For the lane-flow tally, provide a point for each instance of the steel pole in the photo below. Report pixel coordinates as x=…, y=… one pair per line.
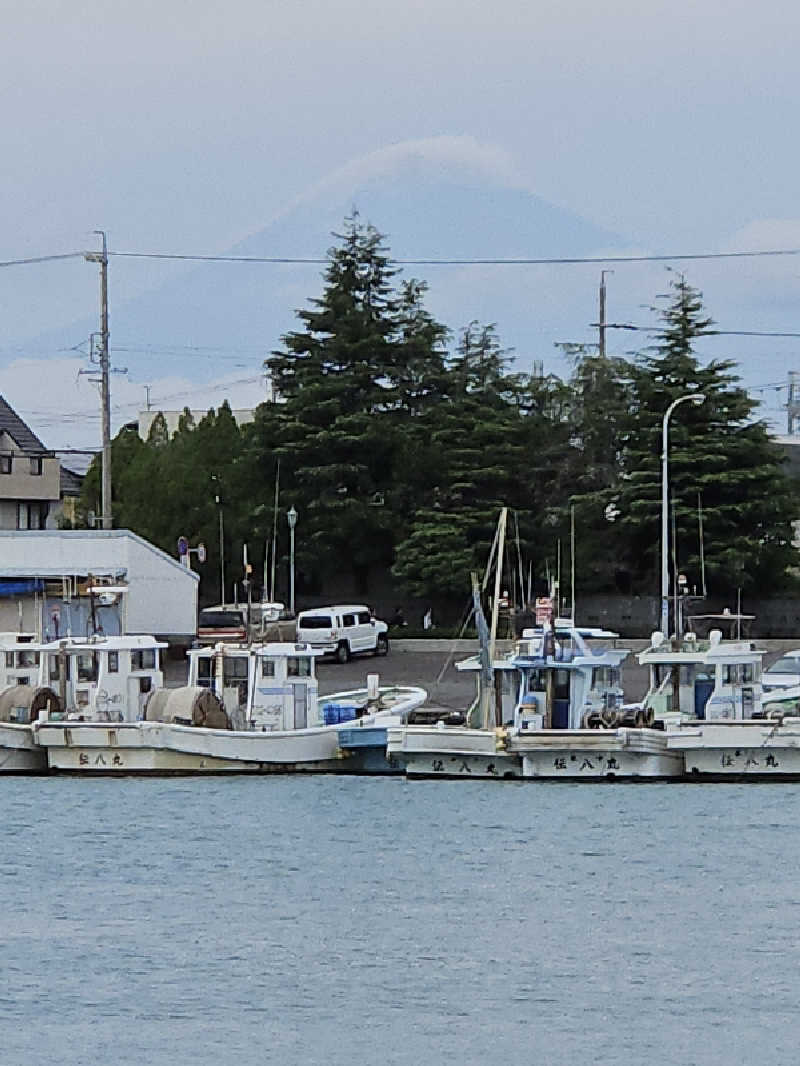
x=695, y=398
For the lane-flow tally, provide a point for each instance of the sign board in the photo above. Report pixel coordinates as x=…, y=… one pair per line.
x=201, y=552
x=544, y=609
x=183, y=546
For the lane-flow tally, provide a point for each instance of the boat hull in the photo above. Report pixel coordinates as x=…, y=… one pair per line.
x=596, y=755
x=166, y=748
x=754, y=750
x=19, y=752
x=451, y=751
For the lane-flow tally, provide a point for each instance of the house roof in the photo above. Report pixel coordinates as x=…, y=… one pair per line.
x=23, y=435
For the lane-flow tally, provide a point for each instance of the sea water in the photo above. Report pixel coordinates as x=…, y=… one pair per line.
x=329, y=920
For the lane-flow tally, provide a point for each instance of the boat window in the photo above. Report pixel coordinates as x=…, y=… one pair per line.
x=561, y=685
x=234, y=668
x=731, y=673
x=28, y=658
x=143, y=659
x=315, y=621
x=748, y=673
x=113, y=662
x=87, y=666
x=786, y=665
x=267, y=667
x=9, y=659
x=205, y=671
x=535, y=681
x=296, y=667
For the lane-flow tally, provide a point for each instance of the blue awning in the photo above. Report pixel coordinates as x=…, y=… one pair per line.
x=16, y=587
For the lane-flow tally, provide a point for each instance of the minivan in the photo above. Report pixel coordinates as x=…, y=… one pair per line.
x=342, y=630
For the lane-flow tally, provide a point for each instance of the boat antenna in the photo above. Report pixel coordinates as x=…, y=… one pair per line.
x=572, y=560
x=702, y=550
x=739, y=613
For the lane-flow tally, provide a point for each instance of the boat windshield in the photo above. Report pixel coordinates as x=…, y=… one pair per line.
x=789, y=664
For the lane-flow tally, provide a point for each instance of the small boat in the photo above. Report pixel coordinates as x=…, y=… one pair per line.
x=247, y=708
x=73, y=679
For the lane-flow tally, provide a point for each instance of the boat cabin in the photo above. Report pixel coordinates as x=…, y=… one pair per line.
x=265, y=687
x=693, y=678
x=564, y=682
x=554, y=679
x=19, y=660
x=106, y=679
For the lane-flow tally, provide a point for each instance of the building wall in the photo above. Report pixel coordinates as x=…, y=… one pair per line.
x=162, y=596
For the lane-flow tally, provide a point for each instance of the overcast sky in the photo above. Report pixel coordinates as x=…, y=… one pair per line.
x=186, y=126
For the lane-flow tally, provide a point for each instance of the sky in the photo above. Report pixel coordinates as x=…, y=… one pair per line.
x=199, y=128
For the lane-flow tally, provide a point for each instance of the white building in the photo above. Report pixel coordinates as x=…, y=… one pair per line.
x=45, y=575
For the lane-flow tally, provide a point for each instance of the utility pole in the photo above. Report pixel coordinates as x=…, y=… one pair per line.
x=601, y=347
x=105, y=388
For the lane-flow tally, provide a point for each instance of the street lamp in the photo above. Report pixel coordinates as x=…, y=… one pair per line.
x=218, y=502
x=291, y=518
x=696, y=398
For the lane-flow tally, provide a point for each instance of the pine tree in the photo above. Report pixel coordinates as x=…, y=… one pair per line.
x=720, y=458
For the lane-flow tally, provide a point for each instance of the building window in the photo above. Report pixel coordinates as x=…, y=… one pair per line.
x=5, y=464
x=31, y=515
x=36, y=464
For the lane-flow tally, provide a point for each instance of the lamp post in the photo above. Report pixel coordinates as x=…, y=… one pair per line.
x=696, y=398
x=291, y=518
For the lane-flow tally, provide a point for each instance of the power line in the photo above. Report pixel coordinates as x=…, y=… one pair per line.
x=489, y=261
x=41, y=259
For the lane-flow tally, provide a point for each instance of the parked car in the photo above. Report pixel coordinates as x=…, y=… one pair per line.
x=784, y=672
x=221, y=624
x=342, y=630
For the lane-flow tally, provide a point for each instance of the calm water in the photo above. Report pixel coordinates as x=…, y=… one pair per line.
x=332, y=921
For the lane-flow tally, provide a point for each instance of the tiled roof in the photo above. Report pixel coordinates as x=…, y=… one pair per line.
x=12, y=424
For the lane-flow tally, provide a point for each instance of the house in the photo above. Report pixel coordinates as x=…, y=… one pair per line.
x=30, y=476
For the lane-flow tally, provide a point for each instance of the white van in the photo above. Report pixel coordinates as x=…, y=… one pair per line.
x=342, y=630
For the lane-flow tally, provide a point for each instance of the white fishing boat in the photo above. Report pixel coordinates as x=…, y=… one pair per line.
x=570, y=722
x=559, y=701
x=74, y=679
x=246, y=709
x=708, y=693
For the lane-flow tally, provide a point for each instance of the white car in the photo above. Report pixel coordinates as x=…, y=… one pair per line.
x=784, y=672
x=342, y=630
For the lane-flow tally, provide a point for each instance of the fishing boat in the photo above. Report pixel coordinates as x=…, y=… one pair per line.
x=559, y=700
x=247, y=708
x=708, y=694
x=73, y=679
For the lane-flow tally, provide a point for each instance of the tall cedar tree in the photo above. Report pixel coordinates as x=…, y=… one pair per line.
x=720, y=460
x=365, y=355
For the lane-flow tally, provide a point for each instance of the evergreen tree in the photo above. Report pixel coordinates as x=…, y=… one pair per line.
x=348, y=380
x=720, y=458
